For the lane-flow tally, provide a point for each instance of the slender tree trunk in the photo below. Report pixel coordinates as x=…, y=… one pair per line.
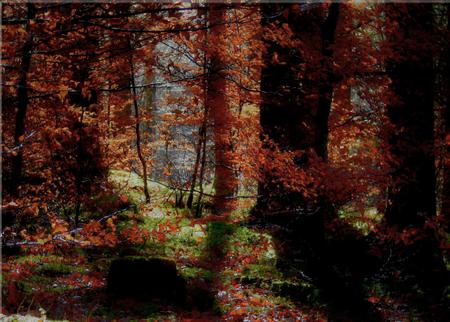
x=201, y=133
x=201, y=176
x=138, y=131
x=198, y=150
x=204, y=128
x=22, y=106
x=224, y=180
x=79, y=171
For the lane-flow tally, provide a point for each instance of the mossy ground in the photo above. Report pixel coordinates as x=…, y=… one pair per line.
x=229, y=267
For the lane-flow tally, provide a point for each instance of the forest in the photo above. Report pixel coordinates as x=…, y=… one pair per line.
x=225, y=161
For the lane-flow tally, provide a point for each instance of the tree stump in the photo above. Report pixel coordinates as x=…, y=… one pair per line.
x=146, y=279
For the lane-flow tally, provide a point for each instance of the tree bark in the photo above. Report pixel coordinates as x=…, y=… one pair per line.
x=88, y=155
x=294, y=115
x=225, y=182
x=412, y=195
x=328, y=32
x=294, y=109
x=22, y=106
x=445, y=205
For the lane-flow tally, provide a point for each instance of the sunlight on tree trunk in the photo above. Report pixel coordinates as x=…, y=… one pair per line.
x=224, y=180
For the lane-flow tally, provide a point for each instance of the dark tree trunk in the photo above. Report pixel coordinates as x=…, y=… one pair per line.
x=22, y=106
x=445, y=206
x=294, y=116
x=294, y=111
x=412, y=195
x=328, y=32
x=284, y=112
x=88, y=155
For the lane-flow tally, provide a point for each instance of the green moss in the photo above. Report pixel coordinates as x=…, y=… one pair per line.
x=269, y=277
x=260, y=272
x=188, y=241
x=218, y=233
x=196, y=272
x=57, y=269
x=37, y=259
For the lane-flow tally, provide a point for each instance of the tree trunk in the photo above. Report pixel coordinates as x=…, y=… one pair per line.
x=201, y=144
x=22, y=106
x=87, y=153
x=326, y=85
x=445, y=206
x=138, y=131
x=198, y=150
x=294, y=112
x=201, y=177
x=294, y=115
x=225, y=182
x=412, y=195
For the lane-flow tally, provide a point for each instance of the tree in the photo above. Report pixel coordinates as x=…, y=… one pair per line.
x=412, y=194
x=138, y=129
x=294, y=111
x=23, y=101
x=445, y=99
x=221, y=115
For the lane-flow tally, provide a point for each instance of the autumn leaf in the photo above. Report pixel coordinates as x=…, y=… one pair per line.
x=62, y=92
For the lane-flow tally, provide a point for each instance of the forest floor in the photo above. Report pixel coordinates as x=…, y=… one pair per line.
x=240, y=282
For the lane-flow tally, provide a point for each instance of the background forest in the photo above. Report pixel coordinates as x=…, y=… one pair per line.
x=215, y=161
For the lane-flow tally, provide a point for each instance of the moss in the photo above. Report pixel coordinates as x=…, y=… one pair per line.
x=57, y=269
x=196, y=272
x=269, y=277
x=34, y=282
x=187, y=240
x=37, y=259
x=218, y=233
x=256, y=271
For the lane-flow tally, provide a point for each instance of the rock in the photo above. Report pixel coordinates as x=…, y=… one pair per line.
x=145, y=279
